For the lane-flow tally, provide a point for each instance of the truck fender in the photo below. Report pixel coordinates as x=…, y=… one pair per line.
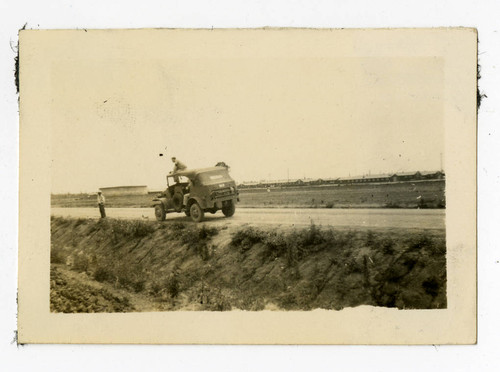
x=157, y=201
x=191, y=200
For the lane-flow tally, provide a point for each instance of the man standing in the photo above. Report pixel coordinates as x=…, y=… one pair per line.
x=178, y=166
x=100, y=201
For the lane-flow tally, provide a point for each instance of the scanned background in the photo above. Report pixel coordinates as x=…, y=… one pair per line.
x=233, y=13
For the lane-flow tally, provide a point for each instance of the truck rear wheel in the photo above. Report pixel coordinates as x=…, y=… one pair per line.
x=229, y=208
x=196, y=212
x=160, y=212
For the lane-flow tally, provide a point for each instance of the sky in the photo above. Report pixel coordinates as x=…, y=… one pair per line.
x=268, y=115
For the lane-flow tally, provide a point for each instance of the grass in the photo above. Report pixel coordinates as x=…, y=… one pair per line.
x=121, y=239
x=133, y=229
x=295, y=245
x=197, y=239
x=398, y=195
x=57, y=255
x=172, y=286
x=80, y=262
x=405, y=270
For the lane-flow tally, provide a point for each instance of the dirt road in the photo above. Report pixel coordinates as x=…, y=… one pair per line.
x=371, y=218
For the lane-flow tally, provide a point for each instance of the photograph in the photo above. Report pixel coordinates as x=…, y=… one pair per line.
x=234, y=182
x=258, y=171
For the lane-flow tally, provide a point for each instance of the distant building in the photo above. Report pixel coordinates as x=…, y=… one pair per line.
x=367, y=178
x=406, y=176
x=370, y=178
x=377, y=178
x=124, y=190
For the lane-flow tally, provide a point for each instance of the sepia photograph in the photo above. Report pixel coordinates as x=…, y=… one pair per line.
x=247, y=183
x=265, y=171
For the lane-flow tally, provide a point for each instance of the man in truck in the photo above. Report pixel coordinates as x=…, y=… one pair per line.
x=178, y=166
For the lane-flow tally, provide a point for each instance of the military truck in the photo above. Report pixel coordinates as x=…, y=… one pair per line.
x=197, y=191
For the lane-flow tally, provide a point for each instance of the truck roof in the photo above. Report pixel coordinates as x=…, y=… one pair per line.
x=191, y=173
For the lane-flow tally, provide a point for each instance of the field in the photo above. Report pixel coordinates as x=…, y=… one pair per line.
x=427, y=194
x=89, y=200
x=122, y=266
x=422, y=194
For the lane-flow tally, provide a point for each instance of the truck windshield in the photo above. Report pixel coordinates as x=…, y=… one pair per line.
x=181, y=179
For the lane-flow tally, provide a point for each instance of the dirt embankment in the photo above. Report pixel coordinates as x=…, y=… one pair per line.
x=73, y=292
x=116, y=265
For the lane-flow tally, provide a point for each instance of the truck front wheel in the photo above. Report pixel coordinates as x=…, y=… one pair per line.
x=160, y=212
x=196, y=212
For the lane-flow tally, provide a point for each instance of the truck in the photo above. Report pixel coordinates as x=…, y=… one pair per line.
x=196, y=192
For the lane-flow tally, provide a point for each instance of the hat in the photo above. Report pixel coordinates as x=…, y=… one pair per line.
x=99, y=192
x=173, y=158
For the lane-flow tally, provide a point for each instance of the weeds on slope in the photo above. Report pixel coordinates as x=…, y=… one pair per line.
x=295, y=245
x=301, y=269
x=198, y=240
x=404, y=270
x=123, y=248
